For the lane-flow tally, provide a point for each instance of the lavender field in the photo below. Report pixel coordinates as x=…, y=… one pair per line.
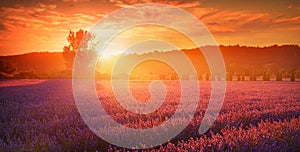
x=41, y=115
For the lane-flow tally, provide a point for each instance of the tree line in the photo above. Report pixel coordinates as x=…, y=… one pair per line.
x=9, y=70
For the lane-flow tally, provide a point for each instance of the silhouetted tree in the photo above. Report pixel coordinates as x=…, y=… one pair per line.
x=238, y=77
x=243, y=76
x=26, y=75
x=229, y=76
x=69, y=52
x=293, y=76
x=252, y=76
x=279, y=76
x=68, y=56
x=6, y=69
x=266, y=76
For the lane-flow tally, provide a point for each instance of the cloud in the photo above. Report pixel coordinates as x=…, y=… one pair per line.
x=40, y=27
x=45, y=17
x=235, y=21
x=177, y=3
x=248, y=27
x=76, y=0
x=2, y=27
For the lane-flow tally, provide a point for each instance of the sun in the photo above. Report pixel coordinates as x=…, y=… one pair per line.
x=105, y=56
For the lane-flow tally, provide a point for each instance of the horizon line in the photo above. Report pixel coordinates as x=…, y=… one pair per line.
x=220, y=45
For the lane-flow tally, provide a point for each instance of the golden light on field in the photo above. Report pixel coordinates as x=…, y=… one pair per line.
x=151, y=69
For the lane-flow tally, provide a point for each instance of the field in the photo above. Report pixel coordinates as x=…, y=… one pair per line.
x=41, y=115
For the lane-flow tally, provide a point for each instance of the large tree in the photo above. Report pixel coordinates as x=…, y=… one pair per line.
x=69, y=52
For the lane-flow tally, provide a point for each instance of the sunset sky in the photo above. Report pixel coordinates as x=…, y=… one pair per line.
x=42, y=25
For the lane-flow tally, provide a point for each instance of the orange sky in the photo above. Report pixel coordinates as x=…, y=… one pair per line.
x=42, y=25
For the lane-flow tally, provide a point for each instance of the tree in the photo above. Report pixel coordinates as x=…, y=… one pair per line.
x=293, y=76
x=243, y=77
x=279, y=76
x=69, y=52
x=26, y=75
x=68, y=56
x=6, y=69
x=229, y=76
x=266, y=76
x=252, y=76
x=238, y=77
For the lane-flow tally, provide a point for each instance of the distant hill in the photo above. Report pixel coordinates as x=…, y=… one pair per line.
x=274, y=58
x=237, y=59
x=39, y=63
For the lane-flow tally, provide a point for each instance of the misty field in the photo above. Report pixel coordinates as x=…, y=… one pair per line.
x=41, y=115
